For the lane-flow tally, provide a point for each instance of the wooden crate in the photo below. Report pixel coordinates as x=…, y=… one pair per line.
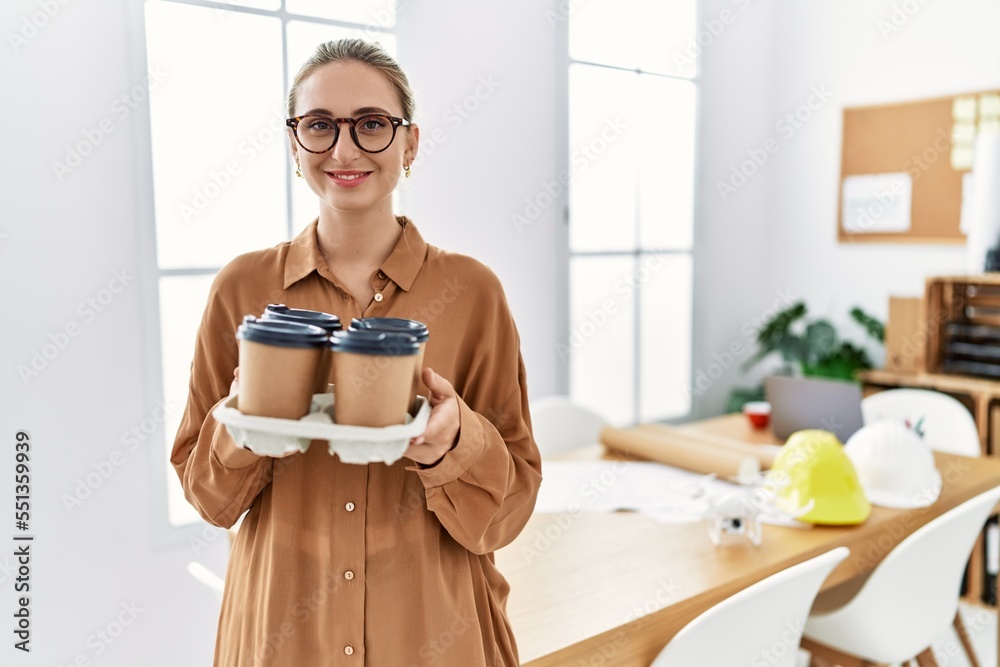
x=905, y=336
x=993, y=432
x=969, y=300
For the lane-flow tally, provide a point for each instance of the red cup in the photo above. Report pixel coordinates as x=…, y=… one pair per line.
x=758, y=413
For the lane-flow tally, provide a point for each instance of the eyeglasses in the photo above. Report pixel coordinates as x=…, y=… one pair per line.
x=318, y=134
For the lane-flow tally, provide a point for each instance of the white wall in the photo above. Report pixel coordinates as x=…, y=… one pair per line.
x=942, y=48
x=730, y=250
x=787, y=211
x=60, y=243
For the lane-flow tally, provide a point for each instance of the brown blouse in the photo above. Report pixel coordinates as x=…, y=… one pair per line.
x=384, y=566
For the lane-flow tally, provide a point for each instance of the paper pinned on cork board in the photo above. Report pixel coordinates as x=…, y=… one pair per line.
x=965, y=219
x=877, y=203
x=964, y=108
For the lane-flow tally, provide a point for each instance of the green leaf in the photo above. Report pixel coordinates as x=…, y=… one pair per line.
x=855, y=355
x=792, y=349
x=833, y=367
x=777, y=327
x=820, y=340
x=844, y=363
x=775, y=336
x=873, y=327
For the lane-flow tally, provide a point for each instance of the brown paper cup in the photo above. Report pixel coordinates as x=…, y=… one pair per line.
x=278, y=366
x=326, y=321
x=276, y=381
x=418, y=368
x=373, y=376
x=372, y=390
x=401, y=325
x=324, y=372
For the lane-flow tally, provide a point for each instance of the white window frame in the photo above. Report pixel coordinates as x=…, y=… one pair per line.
x=638, y=253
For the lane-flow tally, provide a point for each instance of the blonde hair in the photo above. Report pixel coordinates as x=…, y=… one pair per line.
x=358, y=50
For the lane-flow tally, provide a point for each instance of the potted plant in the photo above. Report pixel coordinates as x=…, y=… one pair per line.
x=810, y=348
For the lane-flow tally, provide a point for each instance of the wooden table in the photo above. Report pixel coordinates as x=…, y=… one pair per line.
x=612, y=589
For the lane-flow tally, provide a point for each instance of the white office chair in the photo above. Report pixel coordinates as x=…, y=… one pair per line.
x=948, y=425
x=761, y=624
x=559, y=425
x=908, y=600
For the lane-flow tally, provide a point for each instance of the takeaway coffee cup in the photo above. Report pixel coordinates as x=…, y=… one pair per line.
x=373, y=375
x=401, y=325
x=278, y=364
x=325, y=321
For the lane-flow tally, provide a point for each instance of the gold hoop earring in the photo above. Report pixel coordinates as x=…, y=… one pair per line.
x=406, y=174
x=298, y=170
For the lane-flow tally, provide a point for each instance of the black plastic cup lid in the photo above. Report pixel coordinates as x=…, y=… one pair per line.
x=281, y=333
x=384, y=343
x=325, y=321
x=394, y=324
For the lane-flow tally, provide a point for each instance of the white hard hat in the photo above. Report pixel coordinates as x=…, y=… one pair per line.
x=895, y=466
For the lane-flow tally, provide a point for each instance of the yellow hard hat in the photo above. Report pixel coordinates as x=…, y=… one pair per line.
x=813, y=475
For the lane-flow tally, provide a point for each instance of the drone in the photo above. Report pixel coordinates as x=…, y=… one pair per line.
x=735, y=515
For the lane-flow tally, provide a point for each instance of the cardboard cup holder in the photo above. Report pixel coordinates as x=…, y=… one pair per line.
x=269, y=436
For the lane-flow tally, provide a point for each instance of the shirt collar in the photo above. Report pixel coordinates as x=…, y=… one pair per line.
x=401, y=266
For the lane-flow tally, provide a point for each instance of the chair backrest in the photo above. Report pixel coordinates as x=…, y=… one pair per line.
x=558, y=425
x=948, y=425
x=761, y=624
x=912, y=595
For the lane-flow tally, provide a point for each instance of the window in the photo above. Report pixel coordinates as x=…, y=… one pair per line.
x=222, y=181
x=632, y=102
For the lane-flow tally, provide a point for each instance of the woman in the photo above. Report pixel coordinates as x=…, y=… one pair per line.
x=384, y=566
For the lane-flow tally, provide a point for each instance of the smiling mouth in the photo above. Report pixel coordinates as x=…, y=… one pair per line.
x=347, y=176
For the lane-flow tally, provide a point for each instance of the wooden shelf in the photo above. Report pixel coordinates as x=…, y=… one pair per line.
x=978, y=394
x=940, y=381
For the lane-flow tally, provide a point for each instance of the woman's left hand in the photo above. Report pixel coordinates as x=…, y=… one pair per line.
x=441, y=434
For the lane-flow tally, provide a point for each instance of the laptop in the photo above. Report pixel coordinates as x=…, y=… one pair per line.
x=804, y=403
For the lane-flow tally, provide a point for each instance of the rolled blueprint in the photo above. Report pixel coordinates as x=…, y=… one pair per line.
x=700, y=457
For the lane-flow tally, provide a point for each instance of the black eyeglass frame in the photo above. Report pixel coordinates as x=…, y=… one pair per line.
x=293, y=123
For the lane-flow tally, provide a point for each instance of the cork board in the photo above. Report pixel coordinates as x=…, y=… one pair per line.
x=916, y=138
